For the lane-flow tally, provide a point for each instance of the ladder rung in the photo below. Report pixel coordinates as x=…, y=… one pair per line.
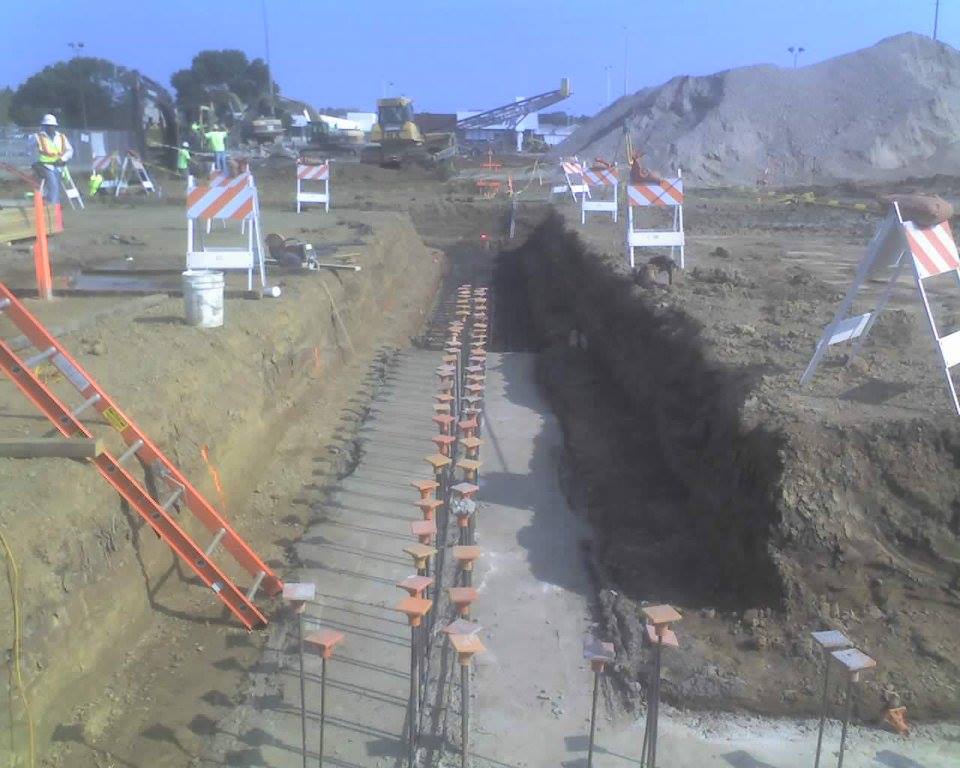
x=31, y=362
x=172, y=498
x=135, y=446
x=92, y=400
x=216, y=542
x=256, y=585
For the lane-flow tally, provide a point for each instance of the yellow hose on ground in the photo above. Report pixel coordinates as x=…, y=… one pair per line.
x=14, y=578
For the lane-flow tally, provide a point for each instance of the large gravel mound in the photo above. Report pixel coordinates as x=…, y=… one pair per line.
x=885, y=112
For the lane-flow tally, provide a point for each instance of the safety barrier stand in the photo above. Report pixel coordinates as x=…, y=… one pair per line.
x=313, y=173
x=103, y=164
x=325, y=641
x=929, y=251
x=297, y=595
x=601, y=178
x=599, y=654
x=664, y=193
x=658, y=634
x=234, y=202
x=572, y=171
x=133, y=167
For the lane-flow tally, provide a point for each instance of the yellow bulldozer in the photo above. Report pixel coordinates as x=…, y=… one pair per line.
x=396, y=138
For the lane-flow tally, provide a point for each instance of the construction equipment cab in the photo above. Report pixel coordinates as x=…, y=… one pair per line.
x=395, y=123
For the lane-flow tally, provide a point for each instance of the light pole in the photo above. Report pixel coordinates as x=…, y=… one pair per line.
x=607, y=69
x=936, y=18
x=266, y=41
x=77, y=49
x=625, y=42
x=796, y=51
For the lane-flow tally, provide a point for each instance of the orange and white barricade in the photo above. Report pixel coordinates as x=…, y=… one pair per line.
x=661, y=193
x=221, y=179
x=599, y=178
x=318, y=173
x=897, y=245
x=572, y=171
x=236, y=201
x=133, y=168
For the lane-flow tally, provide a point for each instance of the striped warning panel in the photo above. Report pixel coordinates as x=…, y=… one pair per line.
x=103, y=162
x=235, y=201
x=313, y=172
x=601, y=177
x=934, y=251
x=220, y=179
x=663, y=193
x=571, y=168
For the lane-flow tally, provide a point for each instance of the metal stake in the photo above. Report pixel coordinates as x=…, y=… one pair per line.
x=323, y=702
x=593, y=716
x=656, y=706
x=303, y=697
x=464, y=713
x=823, y=709
x=414, y=697
x=848, y=710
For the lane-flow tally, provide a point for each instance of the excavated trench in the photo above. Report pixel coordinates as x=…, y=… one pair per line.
x=680, y=494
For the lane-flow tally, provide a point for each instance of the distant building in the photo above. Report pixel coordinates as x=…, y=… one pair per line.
x=555, y=134
x=365, y=120
x=500, y=134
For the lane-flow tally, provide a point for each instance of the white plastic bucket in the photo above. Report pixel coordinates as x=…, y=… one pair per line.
x=203, y=298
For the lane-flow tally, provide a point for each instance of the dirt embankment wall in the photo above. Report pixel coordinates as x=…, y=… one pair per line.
x=94, y=580
x=708, y=490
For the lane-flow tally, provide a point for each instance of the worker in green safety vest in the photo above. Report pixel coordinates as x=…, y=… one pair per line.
x=53, y=150
x=217, y=141
x=96, y=181
x=183, y=159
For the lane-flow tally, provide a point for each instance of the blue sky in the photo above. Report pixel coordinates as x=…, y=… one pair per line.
x=460, y=54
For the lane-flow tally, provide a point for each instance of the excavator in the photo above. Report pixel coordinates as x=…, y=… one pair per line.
x=396, y=138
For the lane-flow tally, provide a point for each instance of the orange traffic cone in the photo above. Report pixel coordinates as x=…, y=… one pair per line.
x=896, y=718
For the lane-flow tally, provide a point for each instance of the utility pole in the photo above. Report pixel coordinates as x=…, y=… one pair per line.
x=625, y=41
x=77, y=48
x=266, y=40
x=936, y=18
x=796, y=51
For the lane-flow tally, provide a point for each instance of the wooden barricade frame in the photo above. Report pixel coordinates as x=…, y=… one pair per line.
x=598, y=179
x=657, y=193
x=897, y=245
x=313, y=173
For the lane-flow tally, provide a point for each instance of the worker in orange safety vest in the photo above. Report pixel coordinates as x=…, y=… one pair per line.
x=53, y=151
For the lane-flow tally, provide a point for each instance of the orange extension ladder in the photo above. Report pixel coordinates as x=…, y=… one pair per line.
x=156, y=513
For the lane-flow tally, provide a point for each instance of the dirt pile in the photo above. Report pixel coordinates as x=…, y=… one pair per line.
x=888, y=111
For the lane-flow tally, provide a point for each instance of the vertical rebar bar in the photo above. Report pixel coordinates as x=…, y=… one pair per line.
x=656, y=706
x=848, y=709
x=414, y=686
x=464, y=713
x=323, y=702
x=823, y=709
x=303, y=698
x=593, y=717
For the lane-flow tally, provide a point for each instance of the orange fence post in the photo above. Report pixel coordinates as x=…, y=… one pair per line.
x=41, y=255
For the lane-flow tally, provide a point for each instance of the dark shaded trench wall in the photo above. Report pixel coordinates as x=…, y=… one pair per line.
x=676, y=411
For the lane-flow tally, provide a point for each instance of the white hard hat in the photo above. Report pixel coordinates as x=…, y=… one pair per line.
x=48, y=120
x=185, y=144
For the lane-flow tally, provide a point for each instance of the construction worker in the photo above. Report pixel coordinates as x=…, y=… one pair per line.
x=53, y=151
x=183, y=159
x=217, y=141
x=96, y=181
